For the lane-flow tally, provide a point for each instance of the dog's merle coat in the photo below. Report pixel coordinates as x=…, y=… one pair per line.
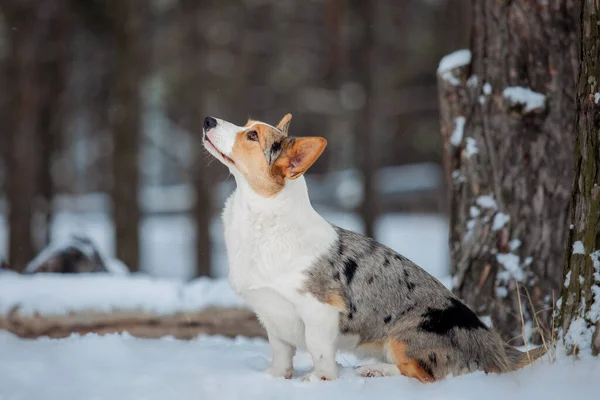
x=388, y=297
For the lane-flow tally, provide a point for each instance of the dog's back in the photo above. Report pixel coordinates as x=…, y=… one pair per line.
x=398, y=309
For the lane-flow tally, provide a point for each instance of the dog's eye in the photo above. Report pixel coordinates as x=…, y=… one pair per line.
x=252, y=135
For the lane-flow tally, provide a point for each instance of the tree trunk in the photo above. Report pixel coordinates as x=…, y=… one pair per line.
x=53, y=71
x=363, y=57
x=195, y=51
x=507, y=121
x=24, y=37
x=126, y=128
x=579, y=305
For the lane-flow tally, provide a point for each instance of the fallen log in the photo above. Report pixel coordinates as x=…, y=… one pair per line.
x=229, y=322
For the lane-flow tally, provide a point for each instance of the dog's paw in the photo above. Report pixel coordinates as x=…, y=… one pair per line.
x=378, y=370
x=316, y=377
x=280, y=372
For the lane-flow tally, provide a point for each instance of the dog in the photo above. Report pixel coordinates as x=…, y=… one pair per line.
x=320, y=288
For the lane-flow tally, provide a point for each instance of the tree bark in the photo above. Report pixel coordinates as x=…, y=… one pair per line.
x=363, y=56
x=125, y=120
x=579, y=306
x=507, y=123
x=53, y=77
x=24, y=38
x=195, y=50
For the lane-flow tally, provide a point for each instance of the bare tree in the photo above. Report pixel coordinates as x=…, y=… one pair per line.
x=363, y=57
x=579, y=311
x=125, y=121
x=507, y=111
x=52, y=76
x=22, y=118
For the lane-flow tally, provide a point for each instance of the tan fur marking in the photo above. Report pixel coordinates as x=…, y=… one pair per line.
x=336, y=301
x=407, y=366
x=250, y=159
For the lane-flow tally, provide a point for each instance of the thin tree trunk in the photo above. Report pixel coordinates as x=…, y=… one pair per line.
x=364, y=57
x=126, y=128
x=579, y=306
x=194, y=70
x=53, y=82
x=24, y=37
x=506, y=117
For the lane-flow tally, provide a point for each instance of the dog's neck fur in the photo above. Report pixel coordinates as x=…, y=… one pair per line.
x=292, y=200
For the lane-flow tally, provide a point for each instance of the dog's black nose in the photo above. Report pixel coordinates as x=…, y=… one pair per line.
x=209, y=122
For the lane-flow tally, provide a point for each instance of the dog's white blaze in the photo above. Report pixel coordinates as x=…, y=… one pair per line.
x=223, y=136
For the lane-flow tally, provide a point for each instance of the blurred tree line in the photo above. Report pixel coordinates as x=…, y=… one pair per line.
x=107, y=96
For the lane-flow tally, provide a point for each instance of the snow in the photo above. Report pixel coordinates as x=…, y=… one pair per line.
x=473, y=81
x=471, y=147
x=525, y=96
x=214, y=368
x=452, y=61
x=578, y=247
x=514, y=244
x=474, y=212
x=459, y=128
x=500, y=219
x=594, y=313
x=59, y=294
x=512, y=268
x=486, y=202
x=568, y=279
x=487, y=89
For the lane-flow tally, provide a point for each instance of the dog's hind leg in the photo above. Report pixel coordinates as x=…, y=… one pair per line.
x=377, y=370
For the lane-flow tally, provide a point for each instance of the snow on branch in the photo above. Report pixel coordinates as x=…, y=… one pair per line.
x=454, y=60
x=526, y=97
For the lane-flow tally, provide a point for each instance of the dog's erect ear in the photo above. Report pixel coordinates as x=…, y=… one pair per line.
x=298, y=155
x=284, y=124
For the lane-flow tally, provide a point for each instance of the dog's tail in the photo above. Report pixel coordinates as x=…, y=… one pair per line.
x=518, y=359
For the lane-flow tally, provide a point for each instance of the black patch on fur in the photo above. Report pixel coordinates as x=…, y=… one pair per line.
x=405, y=272
x=370, y=280
x=387, y=319
x=456, y=315
x=425, y=367
x=350, y=267
x=409, y=309
x=341, y=248
x=352, y=307
x=410, y=286
x=433, y=360
x=336, y=276
x=275, y=147
x=350, y=315
x=386, y=262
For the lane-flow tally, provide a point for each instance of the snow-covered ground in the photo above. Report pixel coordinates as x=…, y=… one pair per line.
x=122, y=367
x=58, y=294
x=167, y=241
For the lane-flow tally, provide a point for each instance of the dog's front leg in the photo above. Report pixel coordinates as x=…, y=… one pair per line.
x=283, y=355
x=321, y=333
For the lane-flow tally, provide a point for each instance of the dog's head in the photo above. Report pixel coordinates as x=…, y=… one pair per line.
x=264, y=155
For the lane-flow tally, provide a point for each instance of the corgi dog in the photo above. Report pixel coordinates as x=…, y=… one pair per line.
x=323, y=289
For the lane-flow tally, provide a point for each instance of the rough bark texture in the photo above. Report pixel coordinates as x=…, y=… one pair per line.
x=126, y=131
x=230, y=322
x=511, y=169
x=24, y=40
x=581, y=289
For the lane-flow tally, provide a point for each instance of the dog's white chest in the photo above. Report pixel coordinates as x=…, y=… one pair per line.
x=271, y=250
